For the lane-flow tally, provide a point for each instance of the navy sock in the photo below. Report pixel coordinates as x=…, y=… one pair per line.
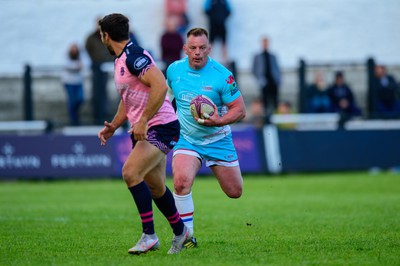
x=166, y=204
x=142, y=196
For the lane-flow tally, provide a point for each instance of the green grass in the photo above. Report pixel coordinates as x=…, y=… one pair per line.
x=315, y=219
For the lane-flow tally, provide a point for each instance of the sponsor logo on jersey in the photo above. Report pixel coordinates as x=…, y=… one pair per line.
x=232, y=84
x=230, y=79
x=207, y=88
x=186, y=96
x=140, y=62
x=122, y=71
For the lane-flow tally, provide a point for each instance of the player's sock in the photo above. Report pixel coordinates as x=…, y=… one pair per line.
x=185, y=207
x=166, y=205
x=142, y=196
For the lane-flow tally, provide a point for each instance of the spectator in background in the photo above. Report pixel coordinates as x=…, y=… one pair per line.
x=72, y=79
x=257, y=115
x=318, y=100
x=177, y=8
x=133, y=38
x=267, y=72
x=386, y=93
x=98, y=55
x=218, y=12
x=342, y=98
x=285, y=108
x=171, y=42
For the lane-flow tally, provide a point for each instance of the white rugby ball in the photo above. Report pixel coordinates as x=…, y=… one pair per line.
x=201, y=105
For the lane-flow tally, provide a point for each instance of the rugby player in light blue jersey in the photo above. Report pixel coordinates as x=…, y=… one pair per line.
x=209, y=139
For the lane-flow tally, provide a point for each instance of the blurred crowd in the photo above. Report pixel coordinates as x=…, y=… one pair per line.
x=320, y=97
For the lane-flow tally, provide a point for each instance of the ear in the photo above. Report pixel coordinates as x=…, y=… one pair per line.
x=106, y=36
x=185, y=49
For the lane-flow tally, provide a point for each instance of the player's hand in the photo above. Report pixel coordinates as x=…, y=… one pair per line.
x=139, y=130
x=211, y=121
x=106, y=132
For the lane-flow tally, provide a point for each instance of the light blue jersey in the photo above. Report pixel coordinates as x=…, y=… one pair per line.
x=214, y=81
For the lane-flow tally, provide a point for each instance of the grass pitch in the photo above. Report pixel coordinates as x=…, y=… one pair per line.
x=316, y=219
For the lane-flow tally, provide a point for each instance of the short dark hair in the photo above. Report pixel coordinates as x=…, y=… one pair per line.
x=339, y=74
x=197, y=32
x=116, y=25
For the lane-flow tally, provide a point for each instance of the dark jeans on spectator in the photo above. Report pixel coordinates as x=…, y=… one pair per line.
x=99, y=94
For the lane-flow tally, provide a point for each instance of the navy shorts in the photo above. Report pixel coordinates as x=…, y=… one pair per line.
x=164, y=136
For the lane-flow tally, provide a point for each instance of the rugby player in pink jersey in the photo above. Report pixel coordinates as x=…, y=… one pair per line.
x=154, y=132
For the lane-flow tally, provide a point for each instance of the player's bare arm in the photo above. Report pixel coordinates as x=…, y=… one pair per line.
x=110, y=127
x=236, y=112
x=155, y=80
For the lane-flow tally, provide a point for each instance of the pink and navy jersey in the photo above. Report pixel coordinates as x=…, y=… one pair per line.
x=129, y=67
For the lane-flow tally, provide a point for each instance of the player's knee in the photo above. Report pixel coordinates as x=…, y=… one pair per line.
x=234, y=193
x=181, y=185
x=129, y=176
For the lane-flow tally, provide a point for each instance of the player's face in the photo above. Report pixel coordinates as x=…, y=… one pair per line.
x=197, y=48
x=106, y=41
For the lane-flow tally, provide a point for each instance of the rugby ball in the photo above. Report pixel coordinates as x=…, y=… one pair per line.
x=200, y=105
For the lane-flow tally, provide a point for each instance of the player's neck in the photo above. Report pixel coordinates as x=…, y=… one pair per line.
x=119, y=47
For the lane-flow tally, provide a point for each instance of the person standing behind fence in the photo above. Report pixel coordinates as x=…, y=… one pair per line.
x=98, y=55
x=218, y=12
x=342, y=97
x=267, y=72
x=386, y=93
x=177, y=9
x=72, y=79
x=318, y=100
x=171, y=42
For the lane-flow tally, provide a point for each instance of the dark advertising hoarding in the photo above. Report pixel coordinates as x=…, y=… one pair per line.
x=55, y=156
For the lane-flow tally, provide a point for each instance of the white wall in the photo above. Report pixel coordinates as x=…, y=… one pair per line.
x=39, y=31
